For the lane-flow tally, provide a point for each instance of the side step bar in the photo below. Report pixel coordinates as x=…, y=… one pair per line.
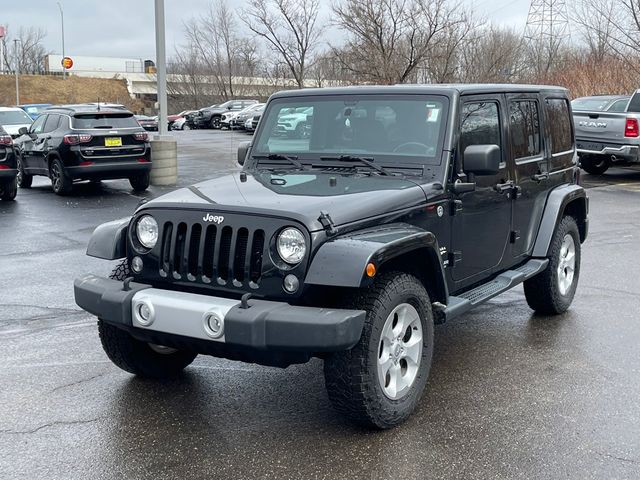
x=464, y=302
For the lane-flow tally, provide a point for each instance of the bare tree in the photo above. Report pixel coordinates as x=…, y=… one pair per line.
x=387, y=40
x=596, y=20
x=29, y=51
x=290, y=29
x=493, y=54
x=216, y=45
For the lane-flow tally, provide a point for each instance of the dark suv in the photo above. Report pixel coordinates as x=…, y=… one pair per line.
x=211, y=117
x=84, y=142
x=8, y=171
x=400, y=207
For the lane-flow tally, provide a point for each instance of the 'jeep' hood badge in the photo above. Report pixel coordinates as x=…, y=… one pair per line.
x=218, y=219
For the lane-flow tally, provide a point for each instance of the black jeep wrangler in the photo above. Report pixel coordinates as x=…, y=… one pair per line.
x=404, y=206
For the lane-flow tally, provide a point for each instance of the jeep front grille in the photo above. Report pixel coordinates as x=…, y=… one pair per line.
x=211, y=253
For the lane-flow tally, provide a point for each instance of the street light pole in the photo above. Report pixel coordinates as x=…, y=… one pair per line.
x=15, y=48
x=161, y=69
x=64, y=69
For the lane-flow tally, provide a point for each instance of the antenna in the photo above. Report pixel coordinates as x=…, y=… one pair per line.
x=547, y=30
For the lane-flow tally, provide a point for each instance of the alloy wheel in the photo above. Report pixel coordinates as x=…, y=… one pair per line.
x=567, y=264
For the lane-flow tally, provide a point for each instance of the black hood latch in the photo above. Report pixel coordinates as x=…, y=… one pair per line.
x=327, y=223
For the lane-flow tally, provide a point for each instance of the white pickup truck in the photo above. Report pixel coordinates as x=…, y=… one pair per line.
x=607, y=130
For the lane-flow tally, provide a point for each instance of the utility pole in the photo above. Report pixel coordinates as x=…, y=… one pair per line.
x=161, y=69
x=64, y=70
x=15, y=48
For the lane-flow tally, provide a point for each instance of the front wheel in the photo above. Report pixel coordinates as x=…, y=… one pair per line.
x=379, y=382
x=9, y=190
x=24, y=180
x=552, y=290
x=595, y=164
x=140, y=182
x=215, y=123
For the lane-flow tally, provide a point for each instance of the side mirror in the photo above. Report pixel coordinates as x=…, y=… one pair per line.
x=23, y=131
x=243, y=149
x=482, y=159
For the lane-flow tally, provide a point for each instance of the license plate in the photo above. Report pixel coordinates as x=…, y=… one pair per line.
x=113, y=142
x=596, y=147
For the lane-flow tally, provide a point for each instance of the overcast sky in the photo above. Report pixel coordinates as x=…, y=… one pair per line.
x=125, y=28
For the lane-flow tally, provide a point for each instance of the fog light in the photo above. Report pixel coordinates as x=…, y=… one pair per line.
x=136, y=264
x=213, y=325
x=144, y=314
x=291, y=283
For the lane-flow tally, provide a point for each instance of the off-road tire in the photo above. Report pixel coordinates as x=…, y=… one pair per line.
x=542, y=292
x=133, y=355
x=138, y=357
x=120, y=271
x=351, y=376
x=9, y=190
x=61, y=183
x=24, y=180
x=140, y=182
x=595, y=164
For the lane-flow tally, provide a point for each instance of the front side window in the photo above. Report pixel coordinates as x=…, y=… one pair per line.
x=387, y=128
x=52, y=123
x=557, y=111
x=479, y=125
x=38, y=125
x=525, y=128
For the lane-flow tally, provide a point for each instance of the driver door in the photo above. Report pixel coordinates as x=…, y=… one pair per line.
x=482, y=218
x=30, y=142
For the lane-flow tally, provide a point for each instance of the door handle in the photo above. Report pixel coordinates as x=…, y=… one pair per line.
x=504, y=187
x=538, y=177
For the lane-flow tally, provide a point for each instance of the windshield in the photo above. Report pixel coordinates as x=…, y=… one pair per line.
x=391, y=129
x=104, y=120
x=590, y=104
x=15, y=117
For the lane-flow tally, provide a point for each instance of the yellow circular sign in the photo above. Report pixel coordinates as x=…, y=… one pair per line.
x=67, y=63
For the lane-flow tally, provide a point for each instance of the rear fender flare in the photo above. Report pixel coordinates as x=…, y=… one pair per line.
x=563, y=198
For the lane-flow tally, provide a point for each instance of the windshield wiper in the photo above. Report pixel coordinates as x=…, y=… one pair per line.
x=366, y=161
x=278, y=156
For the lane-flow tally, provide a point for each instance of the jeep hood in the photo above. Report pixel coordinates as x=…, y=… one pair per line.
x=299, y=196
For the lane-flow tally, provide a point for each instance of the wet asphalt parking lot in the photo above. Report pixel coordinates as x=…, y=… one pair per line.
x=511, y=394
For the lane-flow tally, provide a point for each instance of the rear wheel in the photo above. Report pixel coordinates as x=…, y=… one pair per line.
x=185, y=126
x=24, y=180
x=9, y=189
x=552, y=290
x=60, y=181
x=140, y=182
x=595, y=164
x=379, y=382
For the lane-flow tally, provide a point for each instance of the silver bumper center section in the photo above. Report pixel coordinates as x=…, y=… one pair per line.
x=179, y=313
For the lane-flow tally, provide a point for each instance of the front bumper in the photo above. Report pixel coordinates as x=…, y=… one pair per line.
x=263, y=325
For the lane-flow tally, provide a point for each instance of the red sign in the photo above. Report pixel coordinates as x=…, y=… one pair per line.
x=67, y=63
x=3, y=31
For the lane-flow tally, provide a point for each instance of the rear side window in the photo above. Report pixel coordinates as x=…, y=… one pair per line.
x=525, y=128
x=557, y=110
x=52, y=123
x=104, y=120
x=618, y=106
x=480, y=125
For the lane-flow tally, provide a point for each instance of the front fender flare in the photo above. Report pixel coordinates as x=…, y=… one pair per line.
x=109, y=240
x=341, y=262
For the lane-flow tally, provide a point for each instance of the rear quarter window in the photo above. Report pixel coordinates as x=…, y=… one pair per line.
x=559, y=121
x=101, y=120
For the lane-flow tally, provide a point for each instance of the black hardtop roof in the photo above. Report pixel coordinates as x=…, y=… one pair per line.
x=434, y=89
x=85, y=108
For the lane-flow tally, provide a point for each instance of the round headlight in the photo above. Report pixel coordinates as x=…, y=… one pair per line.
x=291, y=245
x=147, y=231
